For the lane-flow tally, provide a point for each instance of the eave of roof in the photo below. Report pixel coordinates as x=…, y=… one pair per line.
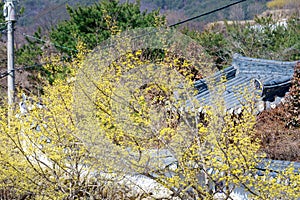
x=269, y=79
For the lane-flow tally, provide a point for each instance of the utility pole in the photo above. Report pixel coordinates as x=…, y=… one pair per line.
x=10, y=17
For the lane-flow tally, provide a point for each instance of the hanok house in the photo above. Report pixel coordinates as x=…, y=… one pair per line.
x=269, y=79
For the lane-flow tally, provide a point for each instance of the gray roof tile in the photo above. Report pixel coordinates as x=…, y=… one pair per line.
x=272, y=79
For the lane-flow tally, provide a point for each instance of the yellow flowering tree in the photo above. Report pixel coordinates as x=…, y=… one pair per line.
x=148, y=112
x=127, y=111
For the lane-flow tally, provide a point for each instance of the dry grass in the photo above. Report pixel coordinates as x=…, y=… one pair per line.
x=277, y=139
x=279, y=128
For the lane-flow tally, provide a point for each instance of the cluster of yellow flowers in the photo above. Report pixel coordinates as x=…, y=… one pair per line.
x=96, y=129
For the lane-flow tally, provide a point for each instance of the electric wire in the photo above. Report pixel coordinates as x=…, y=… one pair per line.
x=4, y=74
x=207, y=13
x=182, y=22
x=142, y=35
x=37, y=66
x=44, y=41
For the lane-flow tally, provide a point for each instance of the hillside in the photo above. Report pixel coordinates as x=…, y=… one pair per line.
x=47, y=13
x=37, y=10
x=177, y=10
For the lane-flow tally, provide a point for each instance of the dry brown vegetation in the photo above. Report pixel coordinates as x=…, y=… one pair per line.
x=279, y=128
x=278, y=141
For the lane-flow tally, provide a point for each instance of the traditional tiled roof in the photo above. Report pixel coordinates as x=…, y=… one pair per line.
x=268, y=78
x=277, y=166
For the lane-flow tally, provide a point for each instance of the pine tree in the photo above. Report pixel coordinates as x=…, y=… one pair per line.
x=96, y=23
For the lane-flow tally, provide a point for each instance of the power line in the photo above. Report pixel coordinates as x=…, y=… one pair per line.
x=4, y=74
x=207, y=13
x=38, y=66
x=44, y=41
x=32, y=66
x=182, y=22
x=107, y=46
x=139, y=36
